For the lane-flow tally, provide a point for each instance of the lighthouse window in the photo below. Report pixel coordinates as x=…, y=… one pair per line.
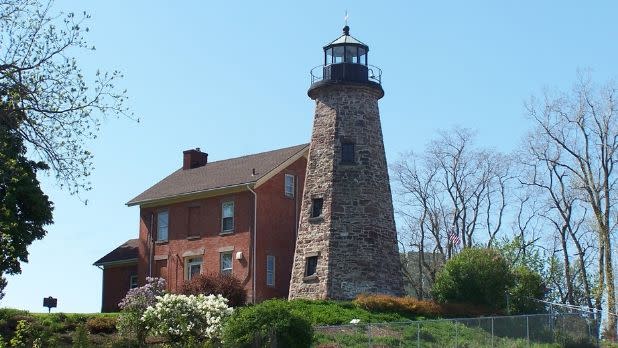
x=311, y=266
x=347, y=153
x=362, y=56
x=316, y=207
x=350, y=54
x=329, y=56
x=338, y=54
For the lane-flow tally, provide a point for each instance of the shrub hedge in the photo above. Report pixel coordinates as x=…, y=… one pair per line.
x=266, y=324
x=414, y=308
x=226, y=285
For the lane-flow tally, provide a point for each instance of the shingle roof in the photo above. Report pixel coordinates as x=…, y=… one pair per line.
x=219, y=174
x=128, y=251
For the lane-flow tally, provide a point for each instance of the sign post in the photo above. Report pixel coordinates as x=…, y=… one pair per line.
x=50, y=303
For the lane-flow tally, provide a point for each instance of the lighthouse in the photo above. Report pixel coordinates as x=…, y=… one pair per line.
x=347, y=242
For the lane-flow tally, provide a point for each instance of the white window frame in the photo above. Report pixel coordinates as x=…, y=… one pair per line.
x=133, y=282
x=270, y=270
x=288, y=187
x=226, y=270
x=190, y=262
x=163, y=227
x=223, y=217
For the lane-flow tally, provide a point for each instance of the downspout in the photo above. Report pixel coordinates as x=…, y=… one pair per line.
x=253, y=239
x=151, y=244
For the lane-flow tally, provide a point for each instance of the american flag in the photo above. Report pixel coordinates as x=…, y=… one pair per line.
x=454, y=238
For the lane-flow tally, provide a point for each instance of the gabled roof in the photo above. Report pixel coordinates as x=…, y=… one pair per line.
x=127, y=252
x=220, y=174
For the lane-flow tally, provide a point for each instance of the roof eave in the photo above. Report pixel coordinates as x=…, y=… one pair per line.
x=188, y=194
x=264, y=178
x=116, y=262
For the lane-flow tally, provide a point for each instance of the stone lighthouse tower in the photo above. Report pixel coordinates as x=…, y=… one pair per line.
x=347, y=243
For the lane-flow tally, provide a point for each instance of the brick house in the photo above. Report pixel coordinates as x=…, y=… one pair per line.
x=236, y=216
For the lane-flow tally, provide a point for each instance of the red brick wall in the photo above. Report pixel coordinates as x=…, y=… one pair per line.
x=276, y=231
x=208, y=237
x=116, y=282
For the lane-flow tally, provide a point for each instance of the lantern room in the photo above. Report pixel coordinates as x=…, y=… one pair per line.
x=345, y=60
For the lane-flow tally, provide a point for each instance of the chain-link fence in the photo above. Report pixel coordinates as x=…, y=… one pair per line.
x=538, y=330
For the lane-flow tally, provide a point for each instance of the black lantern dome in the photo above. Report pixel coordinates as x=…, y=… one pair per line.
x=345, y=61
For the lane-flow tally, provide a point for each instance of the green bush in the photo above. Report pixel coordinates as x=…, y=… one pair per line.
x=527, y=287
x=267, y=322
x=80, y=337
x=475, y=275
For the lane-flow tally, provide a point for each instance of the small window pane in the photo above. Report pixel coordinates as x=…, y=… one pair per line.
x=270, y=270
x=338, y=54
x=350, y=54
x=316, y=207
x=362, y=56
x=133, y=282
x=194, y=267
x=162, y=223
x=227, y=217
x=311, y=266
x=347, y=153
x=329, y=56
x=289, y=185
x=226, y=263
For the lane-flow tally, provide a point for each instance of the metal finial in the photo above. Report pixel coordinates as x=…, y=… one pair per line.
x=346, y=18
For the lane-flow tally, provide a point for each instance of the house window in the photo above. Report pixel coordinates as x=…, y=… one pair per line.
x=311, y=265
x=162, y=224
x=316, y=207
x=194, y=222
x=270, y=270
x=194, y=267
x=227, y=215
x=289, y=185
x=133, y=282
x=347, y=153
x=225, y=261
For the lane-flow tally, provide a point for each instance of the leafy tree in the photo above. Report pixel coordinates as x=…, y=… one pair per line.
x=41, y=77
x=527, y=288
x=49, y=112
x=24, y=209
x=475, y=275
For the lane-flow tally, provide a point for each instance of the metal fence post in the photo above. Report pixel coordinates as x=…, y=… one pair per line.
x=456, y=334
x=527, y=330
x=492, y=331
x=418, y=335
x=369, y=334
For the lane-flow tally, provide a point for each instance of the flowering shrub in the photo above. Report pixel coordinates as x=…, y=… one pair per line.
x=138, y=299
x=134, y=305
x=186, y=319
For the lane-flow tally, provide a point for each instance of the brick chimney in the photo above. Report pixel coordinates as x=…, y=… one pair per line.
x=194, y=158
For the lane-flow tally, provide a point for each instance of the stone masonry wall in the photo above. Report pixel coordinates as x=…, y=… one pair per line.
x=355, y=237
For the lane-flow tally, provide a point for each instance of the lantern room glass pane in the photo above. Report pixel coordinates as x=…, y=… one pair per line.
x=338, y=54
x=362, y=55
x=329, y=56
x=350, y=54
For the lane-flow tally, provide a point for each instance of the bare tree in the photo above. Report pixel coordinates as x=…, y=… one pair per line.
x=575, y=139
x=451, y=191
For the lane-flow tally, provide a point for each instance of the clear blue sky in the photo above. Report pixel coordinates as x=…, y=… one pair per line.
x=231, y=78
